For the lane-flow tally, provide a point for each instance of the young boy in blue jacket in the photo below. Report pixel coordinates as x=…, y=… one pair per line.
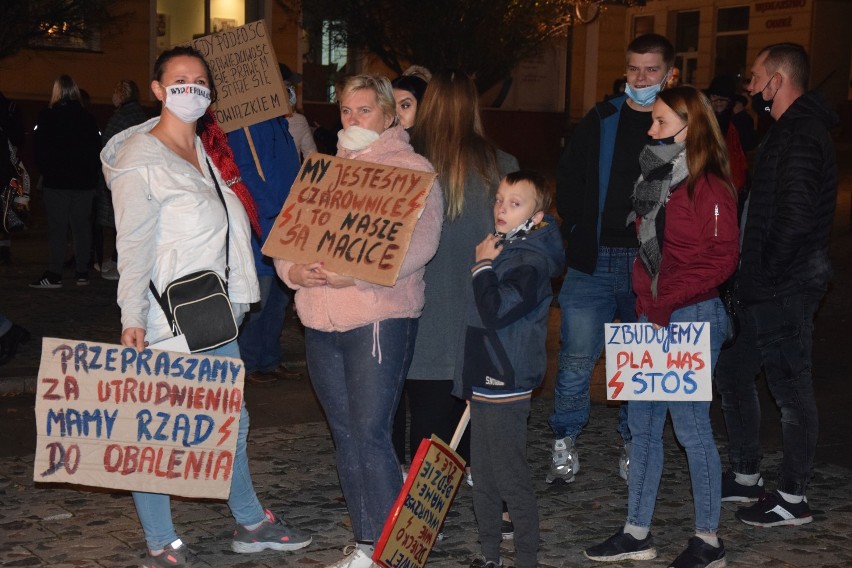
x=505, y=359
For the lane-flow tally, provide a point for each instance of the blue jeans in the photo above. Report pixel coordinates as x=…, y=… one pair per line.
x=588, y=302
x=155, y=511
x=691, y=421
x=777, y=335
x=358, y=376
x=260, y=336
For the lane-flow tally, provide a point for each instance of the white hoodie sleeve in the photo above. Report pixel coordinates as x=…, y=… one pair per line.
x=136, y=219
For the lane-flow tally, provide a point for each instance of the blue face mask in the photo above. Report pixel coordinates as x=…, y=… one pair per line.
x=644, y=96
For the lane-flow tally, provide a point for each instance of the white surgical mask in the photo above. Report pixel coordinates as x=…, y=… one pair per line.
x=187, y=102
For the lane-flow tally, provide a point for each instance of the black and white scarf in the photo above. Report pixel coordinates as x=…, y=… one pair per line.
x=663, y=167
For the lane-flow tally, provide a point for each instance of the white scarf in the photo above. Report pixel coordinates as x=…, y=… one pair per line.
x=356, y=138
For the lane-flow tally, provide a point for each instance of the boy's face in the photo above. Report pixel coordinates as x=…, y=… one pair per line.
x=515, y=203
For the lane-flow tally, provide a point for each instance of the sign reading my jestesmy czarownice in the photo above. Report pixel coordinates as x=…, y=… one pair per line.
x=357, y=217
x=153, y=421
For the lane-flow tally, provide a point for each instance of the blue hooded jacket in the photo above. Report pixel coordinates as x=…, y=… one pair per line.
x=507, y=323
x=279, y=160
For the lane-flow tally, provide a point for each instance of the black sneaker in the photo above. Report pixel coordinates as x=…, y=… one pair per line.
x=507, y=530
x=48, y=280
x=699, y=554
x=481, y=562
x=175, y=555
x=739, y=493
x=272, y=533
x=82, y=278
x=773, y=511
x=622, y=546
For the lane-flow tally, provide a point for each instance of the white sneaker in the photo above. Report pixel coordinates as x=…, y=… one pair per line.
x=565, y=462
x=358, y=556
x=624, y=461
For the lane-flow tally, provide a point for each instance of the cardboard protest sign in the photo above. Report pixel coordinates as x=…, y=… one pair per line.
x=670, y=363
x=412, y=526
x=155, y=421
x=246, y=74
x=357, y=217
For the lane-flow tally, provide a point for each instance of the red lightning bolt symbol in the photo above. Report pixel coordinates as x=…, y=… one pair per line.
x=225, y=430
x=286, y=215
x=616, y=384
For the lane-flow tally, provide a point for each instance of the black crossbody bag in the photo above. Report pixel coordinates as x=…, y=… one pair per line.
x=197, y=305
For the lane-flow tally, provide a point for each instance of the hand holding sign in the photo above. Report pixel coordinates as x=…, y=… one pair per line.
x=355, y=217
x=153, y=421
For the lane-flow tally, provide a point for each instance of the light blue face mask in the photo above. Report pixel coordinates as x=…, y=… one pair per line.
x=644, y=96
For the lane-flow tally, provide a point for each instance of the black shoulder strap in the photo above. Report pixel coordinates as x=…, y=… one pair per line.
x=153, y=288
x=227, y=220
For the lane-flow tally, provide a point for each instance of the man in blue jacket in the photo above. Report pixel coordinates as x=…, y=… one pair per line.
x=268, y=163
x=593, y=187
x=784, y=273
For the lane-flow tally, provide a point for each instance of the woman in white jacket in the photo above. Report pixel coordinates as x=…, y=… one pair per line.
x=170, y=222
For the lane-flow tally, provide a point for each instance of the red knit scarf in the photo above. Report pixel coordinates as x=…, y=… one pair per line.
x=216, y=145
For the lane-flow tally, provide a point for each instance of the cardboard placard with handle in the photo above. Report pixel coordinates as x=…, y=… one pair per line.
x=433, y=480
x=245, y=70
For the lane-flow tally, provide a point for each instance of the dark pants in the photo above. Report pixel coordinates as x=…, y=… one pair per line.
x=498, y=452
x=260, y=336
x=434, y=410
x=69, y=207
x=778, y=336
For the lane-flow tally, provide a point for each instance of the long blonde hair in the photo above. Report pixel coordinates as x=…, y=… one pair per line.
x=64, y=89
x=448, y=131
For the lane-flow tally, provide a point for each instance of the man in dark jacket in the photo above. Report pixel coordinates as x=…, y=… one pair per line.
x=784, y=273
x=593, y=187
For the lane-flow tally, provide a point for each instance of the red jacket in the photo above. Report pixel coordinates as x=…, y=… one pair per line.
x=700, y=250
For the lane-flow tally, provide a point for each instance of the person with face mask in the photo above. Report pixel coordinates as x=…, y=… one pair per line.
x=297, y=123
x=359, y=336
x=594, y=181
x=783, y=275
x=177, y=213
x=685, y=212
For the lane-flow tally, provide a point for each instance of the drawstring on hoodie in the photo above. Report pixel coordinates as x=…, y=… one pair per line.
x=377, y=345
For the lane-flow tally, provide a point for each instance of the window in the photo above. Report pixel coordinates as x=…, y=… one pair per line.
x=731, y=41
x=643, y=25
x=69, y=30
x=181, y=21
x=686, y=45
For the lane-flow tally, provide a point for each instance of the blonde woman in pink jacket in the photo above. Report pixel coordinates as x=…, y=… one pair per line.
x=360, y=336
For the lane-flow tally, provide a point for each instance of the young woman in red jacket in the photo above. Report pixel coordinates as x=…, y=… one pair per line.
x=686, y=218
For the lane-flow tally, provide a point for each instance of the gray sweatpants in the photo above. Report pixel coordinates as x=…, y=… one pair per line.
x=498, y=455
x=69, y=207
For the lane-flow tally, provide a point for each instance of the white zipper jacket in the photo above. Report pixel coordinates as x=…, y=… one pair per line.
x=170, y=222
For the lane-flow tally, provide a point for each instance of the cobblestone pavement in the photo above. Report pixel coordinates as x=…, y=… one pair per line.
x=293, y=469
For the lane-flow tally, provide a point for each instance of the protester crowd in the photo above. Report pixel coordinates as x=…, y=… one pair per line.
x=668, y=211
